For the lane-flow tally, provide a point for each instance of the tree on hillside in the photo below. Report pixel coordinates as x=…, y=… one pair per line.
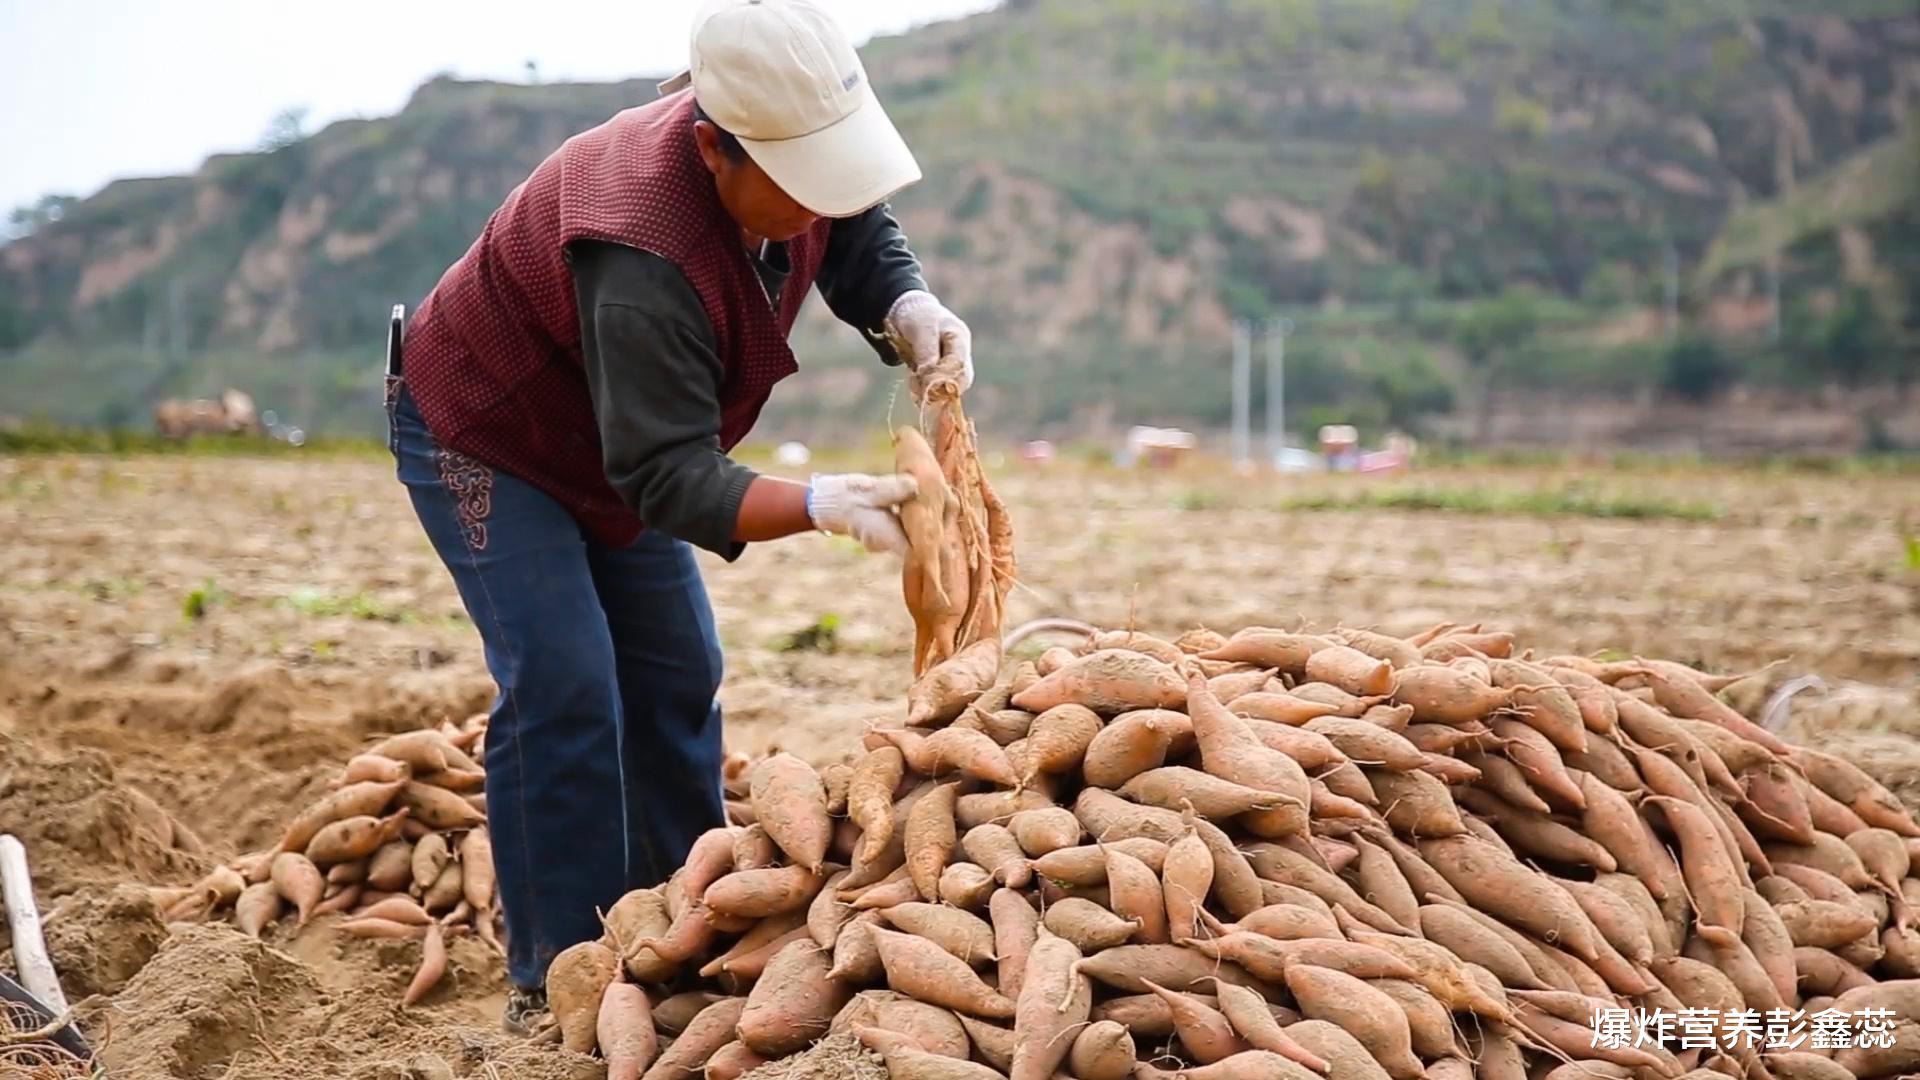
x=287, y=127
x=31, y=218
x=1489, y=333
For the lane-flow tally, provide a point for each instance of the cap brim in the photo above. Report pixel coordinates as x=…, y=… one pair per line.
x=843, y=169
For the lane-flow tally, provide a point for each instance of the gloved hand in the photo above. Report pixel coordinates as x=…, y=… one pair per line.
x=932, y=341
x=861, y=506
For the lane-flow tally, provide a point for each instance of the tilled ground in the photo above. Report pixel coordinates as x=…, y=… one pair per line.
x=319, y=616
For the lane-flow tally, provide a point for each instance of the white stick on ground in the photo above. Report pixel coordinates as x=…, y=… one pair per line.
x=23, y=919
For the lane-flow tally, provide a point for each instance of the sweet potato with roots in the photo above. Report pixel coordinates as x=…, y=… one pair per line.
x=1350, y=669
x=1444, y=695
x=1042, y=832
x=1366, y=1013
x=1129, y=745
x=947, y=688
x=793, y=1001
x=925, y=971
x=1109, y=682
x=576, y=981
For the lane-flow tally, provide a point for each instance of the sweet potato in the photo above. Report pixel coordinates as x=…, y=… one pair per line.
x=1536, y=835
x=1172, y=787
x=1416, y=803
x=1186, y=880
x=1548, y=710
x=923, y=970
x=1613, y=823
x=1607, y=762
x=994, y=848
x=1619, y=922
x=1471, y=941
x=1342, y=703
x=1041, y=832
x=438, y=808
x=731, y=1062
x=1059, y=740
x=1368, y=744
x=1055, y=999
x=1444, y=695
x=1428, y=1021
x=1395, y=651
x=390, y=867
x=1102, y=1050
x=1129, y=967
x=793, y=1001
x=576, y=981
x=710, y=1029
x=1268, y=958
x=996, y=806
x=856, y=960
x=1269, y=649
x=932, y=1028
x=756, y=894
x=930, y=837
x=1828, y=854
x=1496, y=883
x=354, y=837
x=1109, y=682
x=1350, y=669
x=1229, y=750
x=433, y=965
x=1203, y=1030
x=1087, y=925
x=1282, y=922
x=1739, y=965
x=364, y=799
x=1129, y=745
x=381, y=928
x=1136, y=896
x=1883, y=853
x=970, y=753
x=1823, y=924
x=1363, y=1011
x=870, y=799
x=1711, y=878
x=965, y=935
x=790, y=802
x=747, y=957
x=298, y=882
x=966, y=885
x=947, y=688
x=1235, y=684
x=256, y=906
x=904, y=1060
x=375, y=768
x=1280, y=708
x=1277, y=863
x=1166, y=652
x=1346, y=1057
x=1107, y=817
x=1086, y=865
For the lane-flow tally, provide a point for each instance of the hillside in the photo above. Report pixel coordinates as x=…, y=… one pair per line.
x=1110, y=182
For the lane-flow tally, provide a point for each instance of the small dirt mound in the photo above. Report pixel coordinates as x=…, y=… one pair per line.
x=82, y=826
x=100, y=938
x=210, y=997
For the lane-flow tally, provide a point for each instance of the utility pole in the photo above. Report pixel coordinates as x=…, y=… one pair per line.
x=1773, y=299
x=1277, y=331
x=1242, y=392
x=1673, y=290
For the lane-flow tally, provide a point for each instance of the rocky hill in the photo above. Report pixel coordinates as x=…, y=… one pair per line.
x=1110, y=183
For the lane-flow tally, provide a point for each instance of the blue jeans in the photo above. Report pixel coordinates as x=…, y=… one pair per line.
x=603, y=752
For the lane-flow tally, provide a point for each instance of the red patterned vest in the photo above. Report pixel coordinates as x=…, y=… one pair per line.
x=492, y=357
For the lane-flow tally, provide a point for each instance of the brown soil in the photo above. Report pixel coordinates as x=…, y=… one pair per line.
x=137, y=745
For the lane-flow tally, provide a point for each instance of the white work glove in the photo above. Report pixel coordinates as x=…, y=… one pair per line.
x=932, y=341
x=861, y=506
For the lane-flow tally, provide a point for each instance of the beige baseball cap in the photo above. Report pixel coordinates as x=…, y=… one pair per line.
x=781, y=76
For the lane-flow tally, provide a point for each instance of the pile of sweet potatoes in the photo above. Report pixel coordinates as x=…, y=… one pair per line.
x=399, y=844
x=1274, y=855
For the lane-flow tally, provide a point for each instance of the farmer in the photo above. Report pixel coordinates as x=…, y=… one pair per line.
x=566, y=399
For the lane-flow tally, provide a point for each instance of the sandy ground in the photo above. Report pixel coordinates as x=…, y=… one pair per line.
x=323, y=617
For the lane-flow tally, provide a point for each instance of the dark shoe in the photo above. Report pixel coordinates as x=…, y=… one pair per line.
x=526, y=1008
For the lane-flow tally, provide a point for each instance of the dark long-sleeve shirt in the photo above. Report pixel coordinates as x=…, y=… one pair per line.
x=654, y=371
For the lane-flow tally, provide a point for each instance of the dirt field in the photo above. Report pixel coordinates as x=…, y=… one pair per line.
x=219, y=634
